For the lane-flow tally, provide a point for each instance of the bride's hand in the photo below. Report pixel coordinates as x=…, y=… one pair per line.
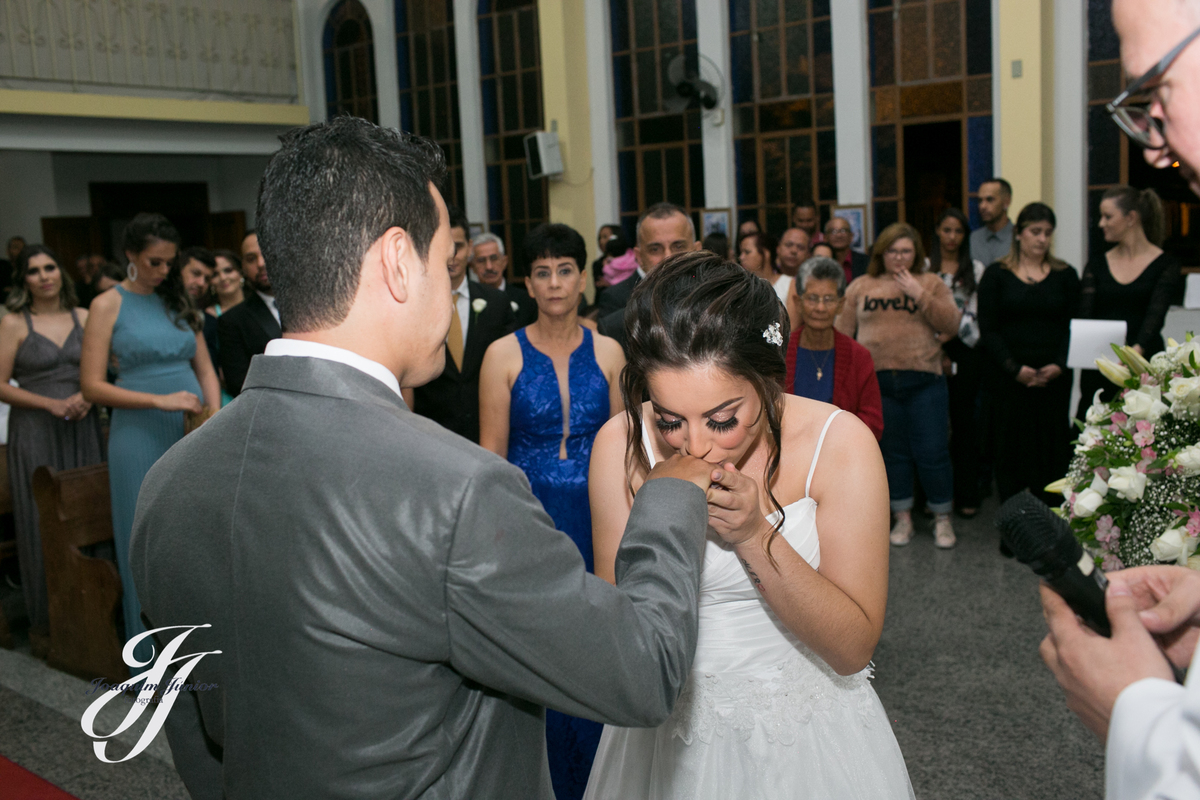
x=733, y=507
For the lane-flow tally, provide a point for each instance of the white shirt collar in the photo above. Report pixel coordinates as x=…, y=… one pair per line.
x=304, y=349
x=462, y=291
x=641, y=273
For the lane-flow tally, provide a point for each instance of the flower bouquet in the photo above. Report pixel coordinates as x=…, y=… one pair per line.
x=1132, y=493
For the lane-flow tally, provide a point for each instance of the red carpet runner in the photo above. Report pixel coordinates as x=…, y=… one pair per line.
x=17, y=783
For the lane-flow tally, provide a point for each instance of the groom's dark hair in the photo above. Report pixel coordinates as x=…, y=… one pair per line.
x=326, y=196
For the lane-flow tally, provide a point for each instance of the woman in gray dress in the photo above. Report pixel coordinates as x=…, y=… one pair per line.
x=50, y=423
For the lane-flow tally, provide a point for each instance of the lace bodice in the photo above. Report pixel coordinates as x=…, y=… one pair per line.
x=749, y=669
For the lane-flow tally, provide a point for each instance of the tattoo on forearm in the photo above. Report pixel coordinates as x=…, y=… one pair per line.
x=758, y=584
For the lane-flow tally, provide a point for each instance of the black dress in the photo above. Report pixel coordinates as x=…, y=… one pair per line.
x=1024, y=324
x=1142, y=304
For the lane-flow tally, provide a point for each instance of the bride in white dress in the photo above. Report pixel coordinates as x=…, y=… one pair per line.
x=778, y=703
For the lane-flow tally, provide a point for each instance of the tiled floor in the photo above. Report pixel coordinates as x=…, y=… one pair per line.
x=976, y=713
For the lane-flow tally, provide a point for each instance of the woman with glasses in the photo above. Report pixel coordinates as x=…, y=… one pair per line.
x=823, y=364
x=1135, y=281
x=1026, y=302
x=898, y=311
x=952, y=263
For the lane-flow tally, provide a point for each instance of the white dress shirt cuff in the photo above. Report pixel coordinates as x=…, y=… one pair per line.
x=1145, y=739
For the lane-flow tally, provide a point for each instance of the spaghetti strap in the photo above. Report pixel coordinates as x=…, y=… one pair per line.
x=28, y=319
x=647, y=445
x=75, y=319
x=817, y=453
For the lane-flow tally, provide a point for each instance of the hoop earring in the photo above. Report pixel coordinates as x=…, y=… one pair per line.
x=132, y=272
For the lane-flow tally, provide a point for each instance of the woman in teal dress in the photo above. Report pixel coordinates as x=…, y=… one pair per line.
x=151, y=331
x=544, y=393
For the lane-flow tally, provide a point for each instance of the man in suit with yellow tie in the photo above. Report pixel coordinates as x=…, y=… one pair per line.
x=481, y=315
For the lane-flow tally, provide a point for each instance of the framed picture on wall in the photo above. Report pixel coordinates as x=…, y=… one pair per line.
x=715, y=220
x=857, y=217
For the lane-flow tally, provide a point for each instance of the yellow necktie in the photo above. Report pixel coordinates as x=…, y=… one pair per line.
x=455, y=339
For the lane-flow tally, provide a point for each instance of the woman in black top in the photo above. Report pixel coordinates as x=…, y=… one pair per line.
x=1026, y=301
x=1134, y=281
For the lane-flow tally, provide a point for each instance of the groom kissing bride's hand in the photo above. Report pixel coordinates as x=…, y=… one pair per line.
x=393, y=607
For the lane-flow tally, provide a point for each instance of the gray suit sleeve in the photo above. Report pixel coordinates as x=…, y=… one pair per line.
x=526, y=618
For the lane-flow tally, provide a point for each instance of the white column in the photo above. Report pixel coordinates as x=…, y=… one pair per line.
x=602, y=112
x=310, y=19
x=470, y=110
x=852, y=102
x=387, y=82
x=1070, y=131
x=712, y=41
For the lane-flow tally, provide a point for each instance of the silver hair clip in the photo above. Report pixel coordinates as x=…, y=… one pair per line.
x=772, y=334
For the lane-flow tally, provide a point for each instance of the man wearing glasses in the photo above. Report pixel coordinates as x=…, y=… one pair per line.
x=1123, y=688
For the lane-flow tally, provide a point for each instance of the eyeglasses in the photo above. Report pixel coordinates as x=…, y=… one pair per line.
x=1135, y=120
x=899, y=253
x=817, y=300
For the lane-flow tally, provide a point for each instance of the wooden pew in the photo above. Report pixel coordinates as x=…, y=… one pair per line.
x=74, y=511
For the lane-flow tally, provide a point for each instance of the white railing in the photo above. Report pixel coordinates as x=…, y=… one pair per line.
x=201, y=49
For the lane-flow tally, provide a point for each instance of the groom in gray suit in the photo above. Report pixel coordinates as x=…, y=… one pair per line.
x=393, y=607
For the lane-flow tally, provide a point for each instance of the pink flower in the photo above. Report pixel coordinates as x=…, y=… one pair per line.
x=1106, y=532
x=1144, y=436
x=1120, y=418
x=1111, y=563
x=1148, y=458
x=1193, y=525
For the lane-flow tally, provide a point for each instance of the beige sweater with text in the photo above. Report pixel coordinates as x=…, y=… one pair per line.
x=900, y=333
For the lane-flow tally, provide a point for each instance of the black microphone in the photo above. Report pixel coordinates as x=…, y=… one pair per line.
x=1041, y=539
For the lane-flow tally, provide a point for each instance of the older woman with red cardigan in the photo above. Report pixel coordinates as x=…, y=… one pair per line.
x=823, y=364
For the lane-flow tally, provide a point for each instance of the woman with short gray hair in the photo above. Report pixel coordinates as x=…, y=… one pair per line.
x=823, y=364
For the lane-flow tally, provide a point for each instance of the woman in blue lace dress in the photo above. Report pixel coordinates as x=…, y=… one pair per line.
x=149, y=326
x=544, y=392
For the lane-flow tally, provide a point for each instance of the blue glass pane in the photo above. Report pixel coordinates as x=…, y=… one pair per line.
x=485, y=6
x=491, y=125
x=495, y=190
x=742, y=73
x=622, y=86
x=1103, y=44
x=406, y=123
x=627, y=172
x=402, y=65
x=883, y=151
x=746, y=169
x=826, y=165
x=688, y=7
x=401, y=16
x=886, y=212
x=330, y=76
x=979, y=37
x=739, y=16
x=1104, y=147
x=487, y=55
x=696, y=174
x=973, y=213
x=619, y=15
x=820, y=8
x=327, y=34
x=979, y=151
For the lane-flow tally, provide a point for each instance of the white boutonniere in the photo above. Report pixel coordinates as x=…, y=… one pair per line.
x=478, y=305
x=515, y=307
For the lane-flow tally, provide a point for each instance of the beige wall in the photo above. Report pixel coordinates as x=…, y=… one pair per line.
x=1026, y=33
x=565, y=107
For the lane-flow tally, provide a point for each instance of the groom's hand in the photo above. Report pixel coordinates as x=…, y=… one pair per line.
x=686, y=468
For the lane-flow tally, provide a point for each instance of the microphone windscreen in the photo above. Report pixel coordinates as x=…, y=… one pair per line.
x=1036, y=535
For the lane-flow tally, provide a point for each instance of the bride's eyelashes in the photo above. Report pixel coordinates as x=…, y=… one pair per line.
x=667, y=426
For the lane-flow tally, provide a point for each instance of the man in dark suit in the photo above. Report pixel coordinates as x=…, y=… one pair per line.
x=663, y=230
x=483, y=314
x=245, y=329
x=839, y=236
x=392, y=607
x=489, y=262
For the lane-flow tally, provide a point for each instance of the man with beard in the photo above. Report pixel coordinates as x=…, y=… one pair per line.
x=246, y=328
x=993, y=240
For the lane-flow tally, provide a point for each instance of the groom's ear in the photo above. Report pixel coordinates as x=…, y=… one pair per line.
x=398, y=261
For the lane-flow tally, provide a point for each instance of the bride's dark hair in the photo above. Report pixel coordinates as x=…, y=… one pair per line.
x=699, y=309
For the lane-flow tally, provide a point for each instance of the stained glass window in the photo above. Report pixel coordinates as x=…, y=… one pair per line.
x=349, y=60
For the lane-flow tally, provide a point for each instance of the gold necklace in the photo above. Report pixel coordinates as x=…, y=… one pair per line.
x=820, y=367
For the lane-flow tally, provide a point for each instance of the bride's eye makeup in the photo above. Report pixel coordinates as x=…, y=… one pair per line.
x=724, y=426
x=668, y=425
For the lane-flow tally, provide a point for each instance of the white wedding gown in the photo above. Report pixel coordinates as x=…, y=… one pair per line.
x=761, y=715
